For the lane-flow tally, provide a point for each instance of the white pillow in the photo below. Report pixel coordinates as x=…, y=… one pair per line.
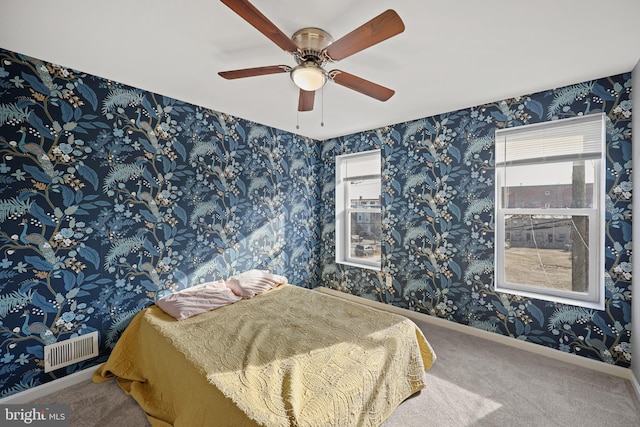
x=254, y=282
x=197, y=299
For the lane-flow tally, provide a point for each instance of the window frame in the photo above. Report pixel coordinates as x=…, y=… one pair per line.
x=344, y=210
x=595, y=295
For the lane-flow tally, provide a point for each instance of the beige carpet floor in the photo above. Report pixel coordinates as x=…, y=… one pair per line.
x=474, y=382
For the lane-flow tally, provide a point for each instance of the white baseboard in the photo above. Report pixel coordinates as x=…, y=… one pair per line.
x=635, y=385
x=48, y=388
x=606, y=368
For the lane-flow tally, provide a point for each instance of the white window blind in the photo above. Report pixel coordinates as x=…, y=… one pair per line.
x=361, y=166
x=579, y=138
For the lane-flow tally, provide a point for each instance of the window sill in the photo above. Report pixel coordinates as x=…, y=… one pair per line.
x=360, y=265
x=561, y=299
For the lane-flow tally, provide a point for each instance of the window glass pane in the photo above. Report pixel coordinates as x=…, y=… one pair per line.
x=364, y=193
x=541, y=248
x=550, y=185
x=364, y=242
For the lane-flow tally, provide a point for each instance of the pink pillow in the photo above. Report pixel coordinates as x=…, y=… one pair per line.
x=197, y=299
x=254, y=282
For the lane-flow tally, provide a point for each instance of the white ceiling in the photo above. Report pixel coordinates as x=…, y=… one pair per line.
x=452, y=54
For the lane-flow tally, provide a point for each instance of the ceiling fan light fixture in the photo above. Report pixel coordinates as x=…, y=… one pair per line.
x=309, y=76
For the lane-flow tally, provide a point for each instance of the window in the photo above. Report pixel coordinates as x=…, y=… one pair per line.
x=358, y=209
x=564, y=158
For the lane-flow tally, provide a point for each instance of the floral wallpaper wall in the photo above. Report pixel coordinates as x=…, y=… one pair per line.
x=111, y=197
x=438, y=207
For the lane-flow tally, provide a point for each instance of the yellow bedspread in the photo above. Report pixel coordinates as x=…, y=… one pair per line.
x=288, y=357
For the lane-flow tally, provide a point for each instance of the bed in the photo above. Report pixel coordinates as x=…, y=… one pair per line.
x=289, y=356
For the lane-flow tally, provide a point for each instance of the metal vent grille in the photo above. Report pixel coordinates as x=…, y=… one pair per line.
x=65, y=353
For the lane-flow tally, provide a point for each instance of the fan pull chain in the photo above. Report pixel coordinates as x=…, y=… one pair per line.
x=322, y=108
x=297, y=119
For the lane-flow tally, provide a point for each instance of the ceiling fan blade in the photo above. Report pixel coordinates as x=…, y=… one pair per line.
x=305, y=102
x=253, y=16
x=257, y=71
x=361, y=85
x=380, y=28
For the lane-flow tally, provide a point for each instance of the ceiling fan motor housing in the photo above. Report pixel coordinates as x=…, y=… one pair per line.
x=311, y=43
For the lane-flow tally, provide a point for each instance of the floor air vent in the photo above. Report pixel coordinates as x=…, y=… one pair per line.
x=65, y=353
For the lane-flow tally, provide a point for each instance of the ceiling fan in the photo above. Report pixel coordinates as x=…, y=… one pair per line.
x=312, y=48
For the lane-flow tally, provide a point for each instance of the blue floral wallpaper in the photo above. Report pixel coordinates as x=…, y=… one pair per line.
x=438, y=202
x=111, y=196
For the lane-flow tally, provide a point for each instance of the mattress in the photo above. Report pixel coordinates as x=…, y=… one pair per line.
x=289, y=356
